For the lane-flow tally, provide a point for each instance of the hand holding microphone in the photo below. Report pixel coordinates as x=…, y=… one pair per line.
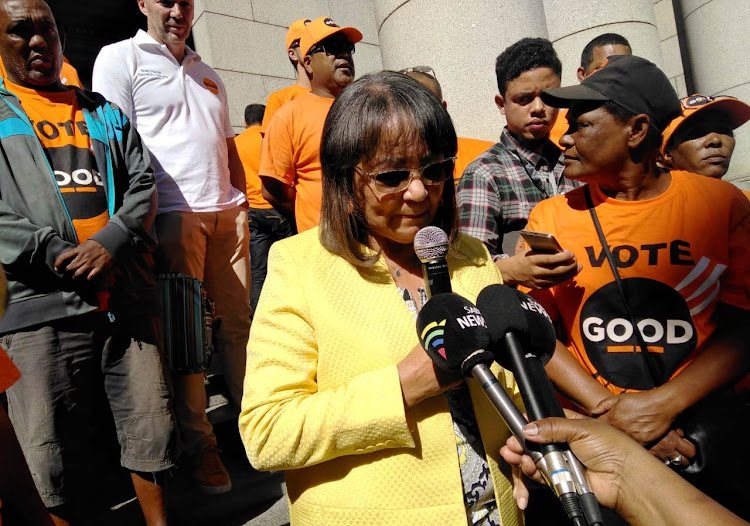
x=524, y=339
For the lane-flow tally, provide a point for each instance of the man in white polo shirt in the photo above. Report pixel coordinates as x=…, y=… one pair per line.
x=179, y=106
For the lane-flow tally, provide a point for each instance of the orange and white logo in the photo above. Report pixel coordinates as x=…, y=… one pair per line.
x=211, y=86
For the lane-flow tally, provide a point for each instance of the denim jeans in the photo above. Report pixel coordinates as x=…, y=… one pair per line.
x=66, y=367
x=266, y=227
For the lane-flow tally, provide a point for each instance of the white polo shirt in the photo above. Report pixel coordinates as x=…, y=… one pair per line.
x=182, y=115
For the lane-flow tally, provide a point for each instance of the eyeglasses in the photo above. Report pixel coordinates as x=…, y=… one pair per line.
x=333, y=47
x=694, y=101
x=392, y=181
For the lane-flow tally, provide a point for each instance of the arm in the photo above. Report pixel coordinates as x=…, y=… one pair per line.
x=480, y=211
x=725, y=357
x=236, y=169
x=538, y=271
x=572, y=379
x=132, y=224
x=287, y=421
x=623, y=475
x=278, y=171
x=280, y=195
x=29, y=250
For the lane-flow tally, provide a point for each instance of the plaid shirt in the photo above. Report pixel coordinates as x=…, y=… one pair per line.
x=500, y=188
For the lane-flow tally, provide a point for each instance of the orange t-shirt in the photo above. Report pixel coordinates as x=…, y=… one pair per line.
x=560, y=127
x=291, y=153
x=9, y=373
x=59, y=124
x=280, y=97
x=747, y=193
x=248, y=146
x=679, y=255
x=468, y=150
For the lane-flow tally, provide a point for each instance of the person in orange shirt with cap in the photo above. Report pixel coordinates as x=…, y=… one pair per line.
x=266, y=224
x=701, y=139
x=290, y=160
x=280, y=97
x=468, y=149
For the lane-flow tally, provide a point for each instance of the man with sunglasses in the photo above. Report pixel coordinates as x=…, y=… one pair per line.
x=701, y=139
x=290, y=160
x=280, y=97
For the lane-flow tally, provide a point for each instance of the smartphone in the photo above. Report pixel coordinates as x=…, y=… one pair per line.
x=541, y=242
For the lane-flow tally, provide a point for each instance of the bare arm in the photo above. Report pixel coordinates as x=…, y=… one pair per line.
x=538, y=271
x=648, y=416
x=572, y=379
x=280, y=195
x=623, y=475
x=236, y=170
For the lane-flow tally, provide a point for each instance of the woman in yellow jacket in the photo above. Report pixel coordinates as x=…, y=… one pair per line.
x=338, y=391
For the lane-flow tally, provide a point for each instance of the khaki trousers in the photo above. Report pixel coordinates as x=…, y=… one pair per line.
x=214, y=248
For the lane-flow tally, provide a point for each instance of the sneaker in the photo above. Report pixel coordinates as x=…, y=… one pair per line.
x=209, y=472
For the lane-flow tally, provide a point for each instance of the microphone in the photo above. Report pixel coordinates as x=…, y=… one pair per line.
x=431, y=247
x=454, y=334
x=524, y=339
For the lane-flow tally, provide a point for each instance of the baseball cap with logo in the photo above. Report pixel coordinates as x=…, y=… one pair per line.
x=295, y=32
x=632, y=82
x=737, y=111
x=322, y=28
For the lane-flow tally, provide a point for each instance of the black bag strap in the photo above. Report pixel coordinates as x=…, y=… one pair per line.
x=654, y=368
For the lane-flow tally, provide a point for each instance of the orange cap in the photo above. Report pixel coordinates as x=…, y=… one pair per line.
x=323, y=27
x=737, y=111
x=295, y=32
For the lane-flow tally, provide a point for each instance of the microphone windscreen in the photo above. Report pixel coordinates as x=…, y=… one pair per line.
x=540, y=329
x=451, y=329
x=430, y=243
x=501, y=309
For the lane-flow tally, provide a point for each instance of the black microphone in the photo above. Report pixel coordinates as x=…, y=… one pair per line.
x=431, y=247
x=524, y=339
x=454, y=334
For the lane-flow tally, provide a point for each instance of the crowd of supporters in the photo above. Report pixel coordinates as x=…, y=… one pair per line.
x=300, y=230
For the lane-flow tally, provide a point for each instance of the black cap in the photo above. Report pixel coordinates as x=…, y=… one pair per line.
x=632, y=82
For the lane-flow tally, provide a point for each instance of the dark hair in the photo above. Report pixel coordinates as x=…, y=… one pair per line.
x=623, y=115
x=525, y=55
x=607, y=39
x=254, y=113
x=353, y=132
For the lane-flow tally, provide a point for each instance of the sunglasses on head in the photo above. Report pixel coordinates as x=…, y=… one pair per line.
x=424, y=70
x=694, y=101
x=333, y=47
x=392, y=181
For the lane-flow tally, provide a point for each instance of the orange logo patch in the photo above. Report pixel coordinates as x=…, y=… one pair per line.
x=211, y=86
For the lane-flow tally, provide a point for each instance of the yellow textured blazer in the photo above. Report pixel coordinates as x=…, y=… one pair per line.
x=322, y=397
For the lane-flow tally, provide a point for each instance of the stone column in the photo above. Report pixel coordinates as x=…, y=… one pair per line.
x=719, y=57
x=460, y=41
x=572, y=24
